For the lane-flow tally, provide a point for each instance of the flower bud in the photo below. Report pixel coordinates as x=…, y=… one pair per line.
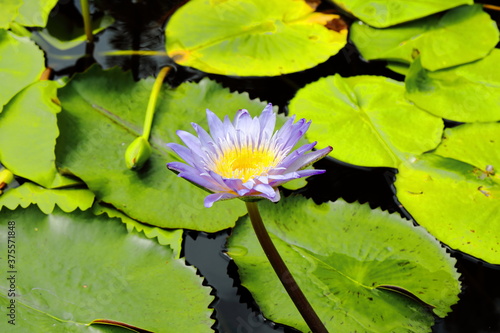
x=6, y=177
x=137, y=153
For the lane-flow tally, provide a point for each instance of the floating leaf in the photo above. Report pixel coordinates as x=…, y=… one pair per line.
x=384, y=13
x=466, y=93
x=172, y=238
x=455, y=202
x=28, y=132
x=356, y=266
x=477, y=144
x=10, y=10
x=104, y=111
x=252, y=38
x=74, y=269
x=461, y=35
x=398, y=67
x=22, y=63
x=28, y=193
x=34, y=13
x=366, y=120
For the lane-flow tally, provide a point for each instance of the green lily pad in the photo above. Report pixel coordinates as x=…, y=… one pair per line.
x=10, y=10
x=366, y=120
x=35, y=13
x=28, y=132
x=251, y=37
x=22, y=63
x=398, y=67
x=103, y=112
x=455, y=202
x=466, y=93
x=28, y=193
x=384, y=13
x=71, y=270
x=477, y=144
x=355, y=265
x=172, y=238
x=461, y=35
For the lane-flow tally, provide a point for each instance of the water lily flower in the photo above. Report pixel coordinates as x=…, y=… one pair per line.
x=244, y=158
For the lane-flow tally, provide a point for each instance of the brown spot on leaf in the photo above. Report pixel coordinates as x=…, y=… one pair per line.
x=337, y=24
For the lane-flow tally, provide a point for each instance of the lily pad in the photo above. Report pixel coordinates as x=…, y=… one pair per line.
x=35, y=13
x=28, y=193
x=252, y=37
x=172, y=238
x=22, y=63
x=366, y=119
x=477, y=144
x=28, y=132
x=455, y=202
x=461, y=35
x=103, y=111
x=10, y=10
x=384, y=13
x=466, y=93
x=106, y=273
x=361, y=269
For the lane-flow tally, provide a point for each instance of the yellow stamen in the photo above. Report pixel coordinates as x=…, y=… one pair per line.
x=245, y=163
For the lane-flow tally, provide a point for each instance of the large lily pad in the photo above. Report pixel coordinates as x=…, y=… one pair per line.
x=73, y=269
x=461, y=35
x=35, y=13
x=251, y=37
x=10, y=10
x=456, y=202
x=384, y=13
x=366, y=119
x=22, y=63
x=103, y=113
x=46, y=199
x=28, y=132
x=466, y=93
x=357, y=267
x=172, y=238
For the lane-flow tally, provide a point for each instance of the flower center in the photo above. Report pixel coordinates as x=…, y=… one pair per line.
x=244, y=163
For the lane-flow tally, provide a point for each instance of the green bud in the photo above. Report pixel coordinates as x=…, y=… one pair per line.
x=137, y=153
x=6, y=177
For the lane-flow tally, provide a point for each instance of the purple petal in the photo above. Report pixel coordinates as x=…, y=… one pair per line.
x=242, y=119
x=236, y=185
x=191, y=142
x=268, y=191
x=210, y=199
x=185, y=153
x=180, y=167
x=201, y=181
x=215, y=125
x=305, y=160
x=293, y=156
x=205, y=138
x=297, y=132
x=267, y=122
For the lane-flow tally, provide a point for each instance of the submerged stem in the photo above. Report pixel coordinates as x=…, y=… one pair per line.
x=282, y=271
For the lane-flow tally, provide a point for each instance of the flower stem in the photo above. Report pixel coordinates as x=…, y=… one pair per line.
x=87, y=22
x=150, y=111
x=282, y=271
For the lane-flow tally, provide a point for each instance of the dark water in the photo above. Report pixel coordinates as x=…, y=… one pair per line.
x=139, y=25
